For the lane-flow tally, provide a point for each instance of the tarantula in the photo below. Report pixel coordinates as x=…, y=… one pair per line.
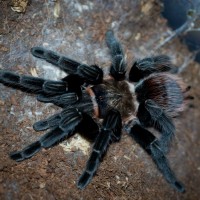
x=149, y=96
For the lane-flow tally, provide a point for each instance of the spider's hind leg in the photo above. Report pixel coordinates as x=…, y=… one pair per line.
x=151, y=145
x=151, y=115
x=110, y=132
x=118, y=67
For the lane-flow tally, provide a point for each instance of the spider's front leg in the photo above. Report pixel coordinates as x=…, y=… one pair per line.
x=151, y=115
x=32, y=84
x=118, y=67
x=90, y=74
x=151, y=145
x=62, y=126
x=110, y=132
x=60, y=93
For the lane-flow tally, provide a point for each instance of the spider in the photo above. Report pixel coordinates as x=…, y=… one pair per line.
x=101, y=106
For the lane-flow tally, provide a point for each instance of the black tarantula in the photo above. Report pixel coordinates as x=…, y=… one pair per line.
x=150, y=96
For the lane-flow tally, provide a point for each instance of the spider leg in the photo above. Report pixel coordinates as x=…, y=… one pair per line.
x=147, y=66
x=49, y=91
x=151, y=115
x=32, y=84
x=90, y=74
x=66, y=64
x=74, y=92
x=118, y=67
x=49, y=123
x=62, y=100
x=151, y=145
x=63, y=126
x=110, y=132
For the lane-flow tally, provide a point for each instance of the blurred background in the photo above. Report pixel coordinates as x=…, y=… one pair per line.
x=76, y=28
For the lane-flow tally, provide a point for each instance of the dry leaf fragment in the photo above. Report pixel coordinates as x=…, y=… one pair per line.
x=19, y=5
x=56, y=11
x=34, y=72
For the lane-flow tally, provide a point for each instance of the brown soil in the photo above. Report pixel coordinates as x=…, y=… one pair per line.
x=77, y=29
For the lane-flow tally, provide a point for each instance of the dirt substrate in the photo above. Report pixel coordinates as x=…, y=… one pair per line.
x=77, y=29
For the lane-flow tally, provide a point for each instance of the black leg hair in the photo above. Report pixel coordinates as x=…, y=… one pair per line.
x=118, y=67
x=46, y=88
x=65, y=124
x=48, y=123
x=63, y=100
x=151, y=115
x=66, y=64
x=110, y=132
x=90, y=133
x=151, y=145
x=54, y=120
x=73, y=82
x=90, y=74
x=32, y=84
x=147, y=66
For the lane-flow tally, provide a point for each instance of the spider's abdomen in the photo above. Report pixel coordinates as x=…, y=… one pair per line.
x=114, y=94
x=163, y=88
